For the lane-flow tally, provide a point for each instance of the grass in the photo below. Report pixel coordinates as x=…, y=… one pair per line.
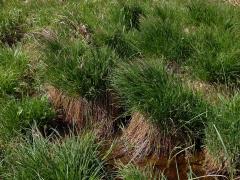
x=161, y=34
x=130, y=16
x=223, y=132
x=17, y=116
x=168, y=104
x=122, y=46
x=215, y=56
x=13, y=26
x=78, y=68
x=203, y=12
x=130, y=172
x=88, y=48
x=38, y=158
x=193, y=35
x=15, y=78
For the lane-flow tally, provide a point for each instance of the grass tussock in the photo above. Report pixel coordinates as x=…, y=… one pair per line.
x=222, y=133
x=162, y=34
x=85, y=69
x=131, y=15
x=13, y=26
x=197, y=34
x=15, y=78
x=123, y=47
x=142, y=139
x=164, y=100
x=74, y=157
x=144, y=144
x=17, y=116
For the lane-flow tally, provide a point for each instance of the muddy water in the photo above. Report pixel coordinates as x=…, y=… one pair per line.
x=174, y=168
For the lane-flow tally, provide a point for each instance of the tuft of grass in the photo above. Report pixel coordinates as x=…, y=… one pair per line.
x=215, y=56
x=162, y=34
x=75, y=157
x=222, y=134
x=131, y=16
x=130, y=172
x=79, y=69
x=12, y=26
x=201, y=36
x=16, y=116
x=194, y=35
x=122, y=46
x=206, y=12
x=14, y=66
x=147, y=88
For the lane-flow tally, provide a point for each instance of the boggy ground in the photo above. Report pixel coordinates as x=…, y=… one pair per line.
x=119, y=89
x=141, y=144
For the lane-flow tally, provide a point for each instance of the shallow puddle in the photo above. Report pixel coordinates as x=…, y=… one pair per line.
x=178, y=167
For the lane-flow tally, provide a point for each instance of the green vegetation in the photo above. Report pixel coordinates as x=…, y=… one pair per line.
x=162, y=34
x=206, y=45
x=168, y=104
x=145, y=57
x=15, y=77
x=39, y=158
x=17, y=116
x=223, y=133
x=12, y=26
x=79, y=68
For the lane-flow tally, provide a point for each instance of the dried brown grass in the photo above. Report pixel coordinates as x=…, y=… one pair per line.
x=213, y=166
x=210, y=92
x=234, y=2
x=142, y=144
x=141, y=139
x=99, y=114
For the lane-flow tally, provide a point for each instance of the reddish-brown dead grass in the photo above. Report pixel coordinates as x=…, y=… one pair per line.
x=142, y=144
x=142, y=139
x=99, y=114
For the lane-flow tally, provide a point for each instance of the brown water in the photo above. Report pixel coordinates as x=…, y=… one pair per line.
x=175, y=168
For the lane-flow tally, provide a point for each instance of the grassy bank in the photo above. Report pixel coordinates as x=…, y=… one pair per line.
x=78, y=78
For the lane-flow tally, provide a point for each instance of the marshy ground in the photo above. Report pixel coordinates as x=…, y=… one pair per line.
x=121, y=89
